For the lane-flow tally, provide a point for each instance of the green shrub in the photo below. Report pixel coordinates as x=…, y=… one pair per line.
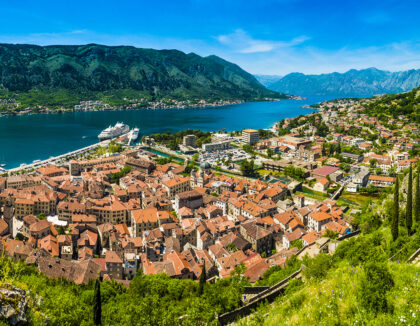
x=375, y=282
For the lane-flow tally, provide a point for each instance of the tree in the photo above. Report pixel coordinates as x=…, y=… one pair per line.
x=372, y=163
x=97, y=305
x=247, y=167
x=395, y=217
x=417, y=204
x=270, y=152
x=376, y=281
x=203, y=279
x=409, y=206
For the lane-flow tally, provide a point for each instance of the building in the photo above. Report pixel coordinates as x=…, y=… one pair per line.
x=322, y=185
x=323, y=171
x=189, y=140
x=144, y=166
x=293, y=143
x=176, y=186
x=260, y=238
x=357, y=158
x=144, y=219
x=114, y=265
x=250, y=136
x=191, y=199
x=219, y=146
x=380, y=181
x=318, y=219
x=360, y=179
x=76, y=167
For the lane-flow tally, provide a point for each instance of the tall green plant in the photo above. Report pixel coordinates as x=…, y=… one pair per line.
x=409, y=206
x=395, y=217
x=97, y=304
x=417, y=204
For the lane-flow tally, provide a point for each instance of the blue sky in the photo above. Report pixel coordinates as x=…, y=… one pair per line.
x=262, y=36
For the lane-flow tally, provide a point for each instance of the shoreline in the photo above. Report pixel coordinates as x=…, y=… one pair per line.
x=96, y=144
x=136, y=108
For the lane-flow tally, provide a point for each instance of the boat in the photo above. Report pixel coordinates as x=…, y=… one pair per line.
x=115, y=131
x=135, y=134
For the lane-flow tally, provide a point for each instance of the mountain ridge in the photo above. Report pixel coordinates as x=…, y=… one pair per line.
x=363, y=82
x=96, y=67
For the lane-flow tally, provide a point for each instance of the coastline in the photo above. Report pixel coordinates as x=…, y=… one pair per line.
x=151, y=107
x=231, y=120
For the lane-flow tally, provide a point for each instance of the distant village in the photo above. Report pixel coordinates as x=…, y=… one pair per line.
x=12, y=106
x=115, y=215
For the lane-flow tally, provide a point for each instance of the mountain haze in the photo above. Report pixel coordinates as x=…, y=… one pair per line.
x=366, y=82
x=100, y=68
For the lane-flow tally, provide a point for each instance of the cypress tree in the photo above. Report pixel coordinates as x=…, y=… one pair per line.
x=417, y=204
x=409, y=206
x=203, y=278
x=97, y=305
x=394, y=222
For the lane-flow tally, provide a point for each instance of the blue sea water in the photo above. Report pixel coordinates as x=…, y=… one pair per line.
x=24, y=139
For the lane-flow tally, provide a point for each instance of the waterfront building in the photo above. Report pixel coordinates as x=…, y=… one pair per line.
x=219, y=146
x=189, y=140
x=250, y=136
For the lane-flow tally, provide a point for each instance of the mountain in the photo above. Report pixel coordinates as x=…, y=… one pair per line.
x=268, y=80
x=99, y=68
x=357, y=83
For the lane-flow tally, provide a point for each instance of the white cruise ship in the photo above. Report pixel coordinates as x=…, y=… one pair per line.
x=112, y=132
x=135, y=134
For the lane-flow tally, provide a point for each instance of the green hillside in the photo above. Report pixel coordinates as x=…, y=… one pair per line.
x=94, y=71
x=395, y=105
x=339, y=299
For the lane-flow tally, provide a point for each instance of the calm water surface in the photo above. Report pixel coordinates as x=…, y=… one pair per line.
x=24, y=139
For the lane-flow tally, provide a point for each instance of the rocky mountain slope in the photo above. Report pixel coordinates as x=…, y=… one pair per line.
x=357, y=83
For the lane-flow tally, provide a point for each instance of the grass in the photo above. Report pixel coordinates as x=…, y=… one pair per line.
x=358, y=198
x=334, y=301
x=313, y=194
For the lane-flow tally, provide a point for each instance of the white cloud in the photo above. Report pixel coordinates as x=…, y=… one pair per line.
x=240, y=41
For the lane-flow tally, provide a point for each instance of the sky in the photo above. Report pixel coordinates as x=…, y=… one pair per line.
x=271, y=37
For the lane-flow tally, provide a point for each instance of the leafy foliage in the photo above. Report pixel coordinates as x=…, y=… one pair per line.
x=375, y=282
x=395, y=105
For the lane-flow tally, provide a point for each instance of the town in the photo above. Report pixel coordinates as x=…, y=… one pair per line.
x=253, y=198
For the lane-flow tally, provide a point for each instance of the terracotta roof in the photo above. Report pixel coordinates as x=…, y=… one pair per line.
x=113, y=257
x=148, y=215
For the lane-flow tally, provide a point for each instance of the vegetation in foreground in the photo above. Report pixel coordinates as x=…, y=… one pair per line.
x=149, y=300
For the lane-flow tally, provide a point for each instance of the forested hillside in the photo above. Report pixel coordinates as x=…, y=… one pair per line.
x=86, y=70
x=395, y=105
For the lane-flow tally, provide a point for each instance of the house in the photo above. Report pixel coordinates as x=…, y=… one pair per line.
x=381, y=181
x=289, y=237
x=191, y=199
x=317, y=219
x=322, y=185
x=310, y=238
x=114, y=265
x=260, y=238
x=144, y=219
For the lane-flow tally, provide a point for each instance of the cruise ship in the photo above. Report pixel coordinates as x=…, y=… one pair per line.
x=112, y=132
x=135, y=134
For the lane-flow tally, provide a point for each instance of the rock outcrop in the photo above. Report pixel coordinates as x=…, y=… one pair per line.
x=13, y=304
